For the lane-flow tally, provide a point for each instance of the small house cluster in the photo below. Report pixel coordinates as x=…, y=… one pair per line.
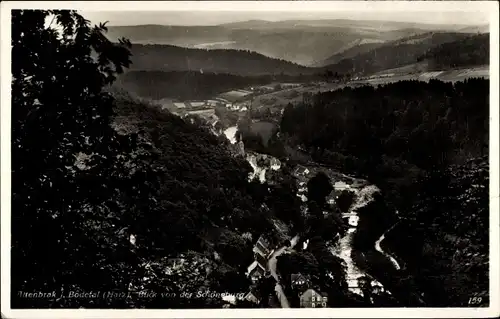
x=313, y=299
x=301, y=171
x=262, y=253
x=259, y=267
x=309, y=297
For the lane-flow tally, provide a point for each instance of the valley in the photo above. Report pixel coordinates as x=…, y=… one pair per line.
x=343, y=249
x=252, y=164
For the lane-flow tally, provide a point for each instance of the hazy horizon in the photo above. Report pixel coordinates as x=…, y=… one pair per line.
x=212, y=18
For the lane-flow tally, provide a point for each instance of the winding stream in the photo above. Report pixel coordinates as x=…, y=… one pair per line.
x=380, y=250
x=343, y=249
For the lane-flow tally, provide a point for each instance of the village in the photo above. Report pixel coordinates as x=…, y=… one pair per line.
x=238, y=100
x=264, y=266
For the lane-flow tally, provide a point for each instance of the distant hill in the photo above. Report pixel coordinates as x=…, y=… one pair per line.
x=306, y=42
x=467, y=52
x=166, y=34
x=418, y=53
x=339, y=23
x=476, y=29
x=303, y=42
x=394, y=54
x=172, y=58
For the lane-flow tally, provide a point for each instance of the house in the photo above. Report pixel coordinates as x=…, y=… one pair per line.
x=214, y=103
x=262, y=247
x=244, y=91
x=302, y=197
x=221, y=100
x=305, y=244
x=206, y=112
x=262, y=253
x=265, y=88
x=300, y=282
x=313, y=299
x=197, y=104
x=255, y=271
x=275, y=164
x=290, y=85
x=261, y=259
x=377, y=287
x=301, y=171
x=353, y=220
x=165, y=103
x=341, y=186
x=177, y=263
x=252, y=296
x=180, y=105
x=212, y=121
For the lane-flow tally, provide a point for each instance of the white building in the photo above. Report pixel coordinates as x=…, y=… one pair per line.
x=180, y=105
x=207, y=112
x=197, y=104
x=255, y=271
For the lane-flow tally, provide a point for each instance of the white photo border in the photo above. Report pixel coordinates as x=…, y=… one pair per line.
x=489, y=7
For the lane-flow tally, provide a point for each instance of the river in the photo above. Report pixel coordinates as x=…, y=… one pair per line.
x=343, y=249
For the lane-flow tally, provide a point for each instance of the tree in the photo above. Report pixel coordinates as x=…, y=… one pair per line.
x=234, y=249
x=65, y=204
x=345, y=200
x=318, y=187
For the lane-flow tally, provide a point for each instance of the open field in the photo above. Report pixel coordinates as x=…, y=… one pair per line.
x=451, y=75
x=412, y=72
x=276, y=100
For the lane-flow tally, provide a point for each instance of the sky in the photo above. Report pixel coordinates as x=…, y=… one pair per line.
x=214, y=17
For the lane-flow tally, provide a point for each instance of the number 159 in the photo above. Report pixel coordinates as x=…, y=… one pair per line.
x=475, y=300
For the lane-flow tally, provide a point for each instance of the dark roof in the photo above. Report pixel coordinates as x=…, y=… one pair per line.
x=255, y=292
x=258, y=266
x=263, y=241
x=260, y=259
x=299, y=276
x=263, y=247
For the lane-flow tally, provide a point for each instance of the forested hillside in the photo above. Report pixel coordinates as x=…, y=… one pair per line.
x=471, y=51
x=393, y=54
x=444, y=242
x=172, y=58
x=425, y=145
x=350, y=53
x=191, y=85
x=377, y=131
x=119, y=190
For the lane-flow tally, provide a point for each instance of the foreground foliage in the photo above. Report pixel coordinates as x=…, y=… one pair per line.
x=424, y=145
x=122, y=197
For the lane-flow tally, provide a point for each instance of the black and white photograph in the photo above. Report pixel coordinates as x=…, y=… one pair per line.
x=333, y=158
